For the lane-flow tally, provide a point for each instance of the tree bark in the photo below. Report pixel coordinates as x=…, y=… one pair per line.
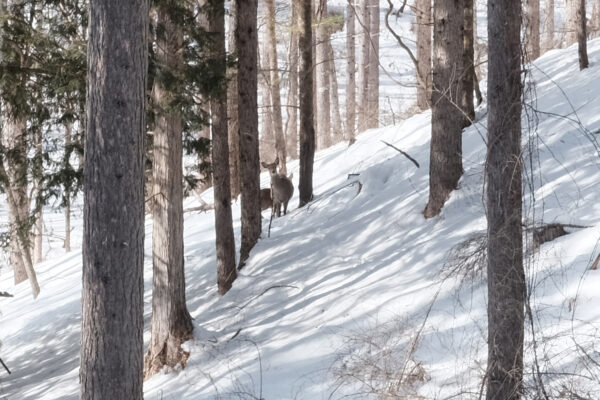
x=232, y=108
x=171, y=321
x=468, y=76
x=571, y=24
x=363, y=65
x=506, y=278
x=373, y=76
x=447, y=120
x=322, y=77
x=225, y=240
x=267, y=136
x=424, y=34
x=582, y=36
x=275, y=88
x=532, y=28
x=291, y=132
x=307, y=133
x=67, y=196
x=548, y=29
x=113, y=240
x=247, y=43
x=336, y=119
x=594, y=27
x=37, y=175
x=351, y=73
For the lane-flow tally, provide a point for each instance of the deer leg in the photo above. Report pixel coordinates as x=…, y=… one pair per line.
x=285, y=208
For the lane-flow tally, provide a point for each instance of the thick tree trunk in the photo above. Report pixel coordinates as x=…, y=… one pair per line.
x=468, y=76
x=336, y=119
x=15, y=164
x=291, y=132
x=532, y=28
x=225, y=240
x=247, y=43
x=506, y=278
x=594, y=27
x=232, y=108
x=447, y=120
x=363, y=66
x=351, y=73
x=373, y=85
x=582, y=36
x=267, y=136
x=67, y=196
x=113, y=240
x=171, y=322
x=424, y=35
x=275, y=88
x=322, y=78
x=548, y=29
x=307, y=133
x=571, y=23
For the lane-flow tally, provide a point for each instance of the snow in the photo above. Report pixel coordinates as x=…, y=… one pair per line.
x=359, y=276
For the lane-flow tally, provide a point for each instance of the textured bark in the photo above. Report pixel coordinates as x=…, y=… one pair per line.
x=15, y=163
x=225, y=240
x=373, y=71
x=506, y=278
x=594, y=26
x=571, y=22
x=171, y=322
x=532, y=28
x=336, y=119
x=363, y=65
x=275, y=87
x=232, y=108
x=267, y=135
x=307, y=133
x=37, y=175
x=323, y=105
x=548, y=29
x=447, y=120
x=247, y=43
x=113, y=239
x=424, y=36
x=291, y=131
x=351, y=73
x=468, y=76
x=582, y=36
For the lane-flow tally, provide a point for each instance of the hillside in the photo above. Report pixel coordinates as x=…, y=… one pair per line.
x=358, y=285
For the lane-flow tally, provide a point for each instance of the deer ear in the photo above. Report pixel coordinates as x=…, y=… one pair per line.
x=263, y=164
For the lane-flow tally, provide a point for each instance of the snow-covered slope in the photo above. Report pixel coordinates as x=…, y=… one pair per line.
x=357, y=285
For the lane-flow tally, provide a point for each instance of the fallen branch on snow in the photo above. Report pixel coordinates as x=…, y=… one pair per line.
x=5, y=367
x=402, y=152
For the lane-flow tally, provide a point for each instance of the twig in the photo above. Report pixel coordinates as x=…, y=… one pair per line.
x=5, y=367
x=6, y=294
x=402, y=152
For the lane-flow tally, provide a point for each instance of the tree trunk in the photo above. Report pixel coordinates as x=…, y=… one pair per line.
x=548, y=30
x=571, y=25
x=582, y=36
x=363, y=65
x=113, y=240
x=267, y=136
x=307, y=133
x=15, y=164
x=67, y=196
x=594, y=27
x=447, y=120
x=247, y=43
x=291, y=132
x=351, y=73
x=38, y=172
x=171, y=322
x=225, y=240
x=424, y=33
x=322, y=75
x=506, y=278
x=275, y=88
x=373, y=85
x=532, y=28
x=232, y=108
x=468, y=76
x=336, y=119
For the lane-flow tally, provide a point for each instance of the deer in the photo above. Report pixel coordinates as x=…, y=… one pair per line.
x=282, y=188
